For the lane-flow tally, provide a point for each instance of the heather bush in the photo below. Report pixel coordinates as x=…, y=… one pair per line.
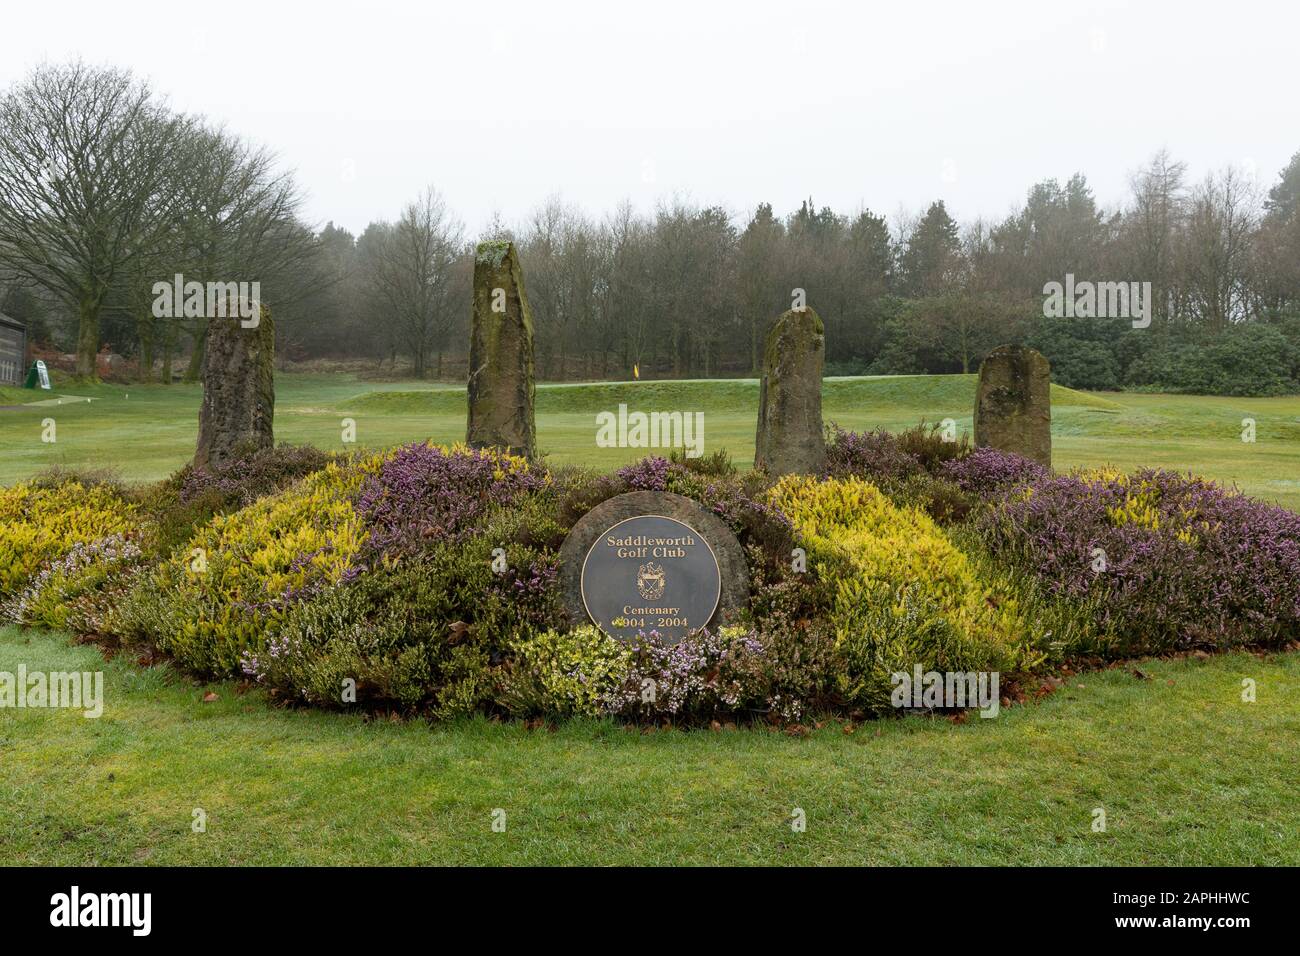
x=909, y=467
x=63, y=594
x=986, y=472
x=380, y=642
x=193, y=496
x=422, y=627
x=579, y=490
x=738, y=499
x=780, y=592
x=43, y=521
x=563, y=673
x=426, y=493
x=252, y=475
x=941, y=499
x=888, y=630
x=650, y=474
x=904, y=594
x=876, y=455
x=717, y=464
x=732, y=673
x=699, y=677
x=793, y=674
x=928, y=445
x=232, y=583
x=1166, y=562
x=526, y=596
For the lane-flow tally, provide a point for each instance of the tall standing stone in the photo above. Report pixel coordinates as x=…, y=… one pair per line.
x=501, y=354
x=238, y=408
x=790, y=436
x=1013, y=403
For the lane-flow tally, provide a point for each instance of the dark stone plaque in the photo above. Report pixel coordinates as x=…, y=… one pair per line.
x=652, y=561
x=651, y=573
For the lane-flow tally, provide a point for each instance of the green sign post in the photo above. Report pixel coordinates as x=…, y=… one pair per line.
x=38, y=375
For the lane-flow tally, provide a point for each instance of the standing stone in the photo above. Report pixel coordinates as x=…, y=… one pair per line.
x=238, y=390
x=501, y=354
x=790, y=436
x=1013, y=403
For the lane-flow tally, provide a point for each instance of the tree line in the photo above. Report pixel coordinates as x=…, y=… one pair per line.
x=104, y=191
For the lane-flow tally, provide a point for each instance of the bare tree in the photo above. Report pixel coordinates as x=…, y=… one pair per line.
x=85, y=156
x=1152, y=222
x=240, y=225
x=1216, y=254
x=409, y=268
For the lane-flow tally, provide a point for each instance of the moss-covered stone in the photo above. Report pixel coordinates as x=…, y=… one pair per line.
x=501, y=388
x=238, y=411
x=1013, y=403
x=790, y=438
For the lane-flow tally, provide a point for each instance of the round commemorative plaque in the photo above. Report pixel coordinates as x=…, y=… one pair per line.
x=651, y=573
x=655, y=563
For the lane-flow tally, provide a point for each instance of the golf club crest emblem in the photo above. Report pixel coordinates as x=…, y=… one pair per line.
x=650, y=581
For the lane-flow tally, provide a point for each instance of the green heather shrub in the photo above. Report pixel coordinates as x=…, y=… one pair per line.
x=563, y=673
x=718, y=463
x=941, y=499
x=793, y=675
x=387, y=633
x=886, y=630
x=580, y=489
x=927, y=444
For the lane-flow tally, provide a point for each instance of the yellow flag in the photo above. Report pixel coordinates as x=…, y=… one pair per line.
x=636, y=370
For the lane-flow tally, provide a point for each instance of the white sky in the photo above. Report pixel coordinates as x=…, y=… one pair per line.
x=887, y=105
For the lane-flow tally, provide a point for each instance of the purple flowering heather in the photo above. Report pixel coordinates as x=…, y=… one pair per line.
x=245, y=479
x=532, y=593
x=727, y=497
x=425, y=493
x=649, y=474
x=987, y=471
x=1169, y=562
x=873, y=455
x=742, y=513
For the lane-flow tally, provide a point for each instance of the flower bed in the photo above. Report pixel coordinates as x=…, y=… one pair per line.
x=369, y=582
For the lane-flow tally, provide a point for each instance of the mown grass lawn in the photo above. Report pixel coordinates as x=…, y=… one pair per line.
x=146, y=432
x=1186, y=772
